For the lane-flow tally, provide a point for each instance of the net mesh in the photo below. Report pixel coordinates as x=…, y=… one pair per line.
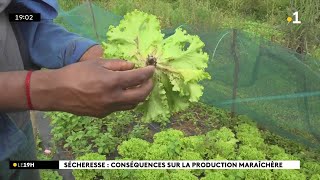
x=273, y=85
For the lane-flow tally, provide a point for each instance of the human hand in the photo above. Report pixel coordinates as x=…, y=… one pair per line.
x=94, y=88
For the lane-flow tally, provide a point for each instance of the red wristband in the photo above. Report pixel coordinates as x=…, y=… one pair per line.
x=28, y=94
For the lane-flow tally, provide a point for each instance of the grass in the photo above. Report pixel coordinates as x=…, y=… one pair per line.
x=263, y=18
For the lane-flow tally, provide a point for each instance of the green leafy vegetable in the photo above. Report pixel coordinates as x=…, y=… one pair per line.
x=172, y=144
x=48, y=174
x=129, y=148
x=179, y=61
x=223, y=141
x=88, y=173
x=153, y=174
x=183, y=175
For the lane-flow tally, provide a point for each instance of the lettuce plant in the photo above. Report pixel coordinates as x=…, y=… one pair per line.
x=179, y=60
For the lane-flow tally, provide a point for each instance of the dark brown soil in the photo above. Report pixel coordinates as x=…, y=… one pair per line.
x=189, y=128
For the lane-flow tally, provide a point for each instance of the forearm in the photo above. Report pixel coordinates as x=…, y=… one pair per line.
x=13, y=91
x=91, y=88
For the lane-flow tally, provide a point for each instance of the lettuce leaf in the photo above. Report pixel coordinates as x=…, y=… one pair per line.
x=179, y=60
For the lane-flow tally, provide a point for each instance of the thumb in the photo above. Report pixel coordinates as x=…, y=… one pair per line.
x=118, y=65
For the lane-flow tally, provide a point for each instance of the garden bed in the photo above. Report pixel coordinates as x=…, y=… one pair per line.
x=225, y=138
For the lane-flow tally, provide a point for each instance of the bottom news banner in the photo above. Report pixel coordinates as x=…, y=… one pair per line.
x=75, y=164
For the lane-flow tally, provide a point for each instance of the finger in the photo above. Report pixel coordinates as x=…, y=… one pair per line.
x=135, y=77
x=118, y=65
x=138, y=94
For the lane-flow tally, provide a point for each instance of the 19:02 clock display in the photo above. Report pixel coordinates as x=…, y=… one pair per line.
x=16, y=17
